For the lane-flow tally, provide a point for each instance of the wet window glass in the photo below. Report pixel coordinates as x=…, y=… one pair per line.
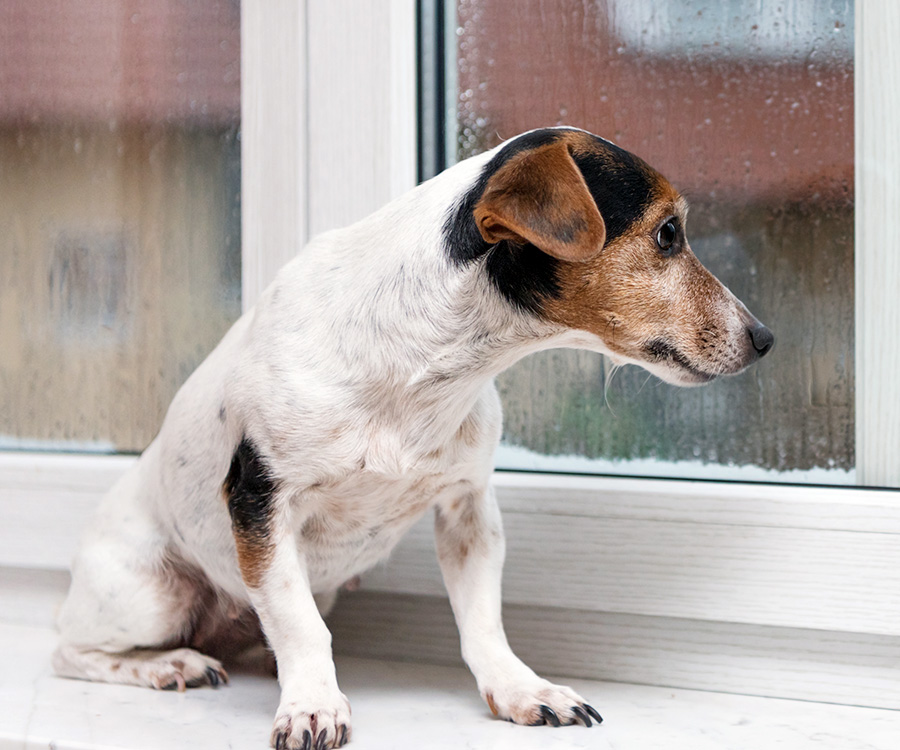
x=119, y=212
x=748, y=109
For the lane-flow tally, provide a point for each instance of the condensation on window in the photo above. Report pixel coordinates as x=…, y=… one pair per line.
x=748, y=109
x=119, y=212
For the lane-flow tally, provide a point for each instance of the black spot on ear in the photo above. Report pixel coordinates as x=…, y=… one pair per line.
x=250, y=490
x=621, y=184
x=522, y=274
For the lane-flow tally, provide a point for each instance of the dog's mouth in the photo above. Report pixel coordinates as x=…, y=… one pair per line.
x=664, y=353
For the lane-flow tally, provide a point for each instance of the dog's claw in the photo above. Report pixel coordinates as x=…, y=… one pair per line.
x=280, y=741
x=307, y=740
x=177, y=683
x=212, y=676
x=320, y=742
x=592, y=712
x=342, y=740
x=550, y=716
x=581, y=714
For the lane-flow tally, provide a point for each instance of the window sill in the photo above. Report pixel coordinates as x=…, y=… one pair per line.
x=400, y=705
x=689, y=584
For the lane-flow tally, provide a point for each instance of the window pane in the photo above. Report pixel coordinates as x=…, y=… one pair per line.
x=119, y=212
x=748, y=109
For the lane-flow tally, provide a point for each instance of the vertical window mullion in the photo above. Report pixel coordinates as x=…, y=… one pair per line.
x=273, y=140
x=877, y=250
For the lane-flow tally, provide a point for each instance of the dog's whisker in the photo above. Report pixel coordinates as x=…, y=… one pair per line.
x=607, y=381
x=647, y=380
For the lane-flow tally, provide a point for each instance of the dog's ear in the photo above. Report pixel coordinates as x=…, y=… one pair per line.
x=540, y=196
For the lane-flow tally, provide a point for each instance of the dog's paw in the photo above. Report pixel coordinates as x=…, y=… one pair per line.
x=312, y=725
x=163, y=670
x=540, y=702
x=178, y=669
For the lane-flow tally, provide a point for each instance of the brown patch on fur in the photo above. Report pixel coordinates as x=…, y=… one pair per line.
x=540, y=196
x=459, y=528
x=489, y=697
x=314, y=528
x=116, y=666
x=254, y=555
x=417, y=498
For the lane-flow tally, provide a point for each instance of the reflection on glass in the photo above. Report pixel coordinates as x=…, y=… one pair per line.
x=119, y=212
x=748, y=109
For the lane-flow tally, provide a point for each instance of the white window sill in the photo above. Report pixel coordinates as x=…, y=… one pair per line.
x=786, y=592
x=397, y=705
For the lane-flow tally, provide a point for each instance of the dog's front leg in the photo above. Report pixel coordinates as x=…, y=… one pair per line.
x=471, y=548
x=313, y=713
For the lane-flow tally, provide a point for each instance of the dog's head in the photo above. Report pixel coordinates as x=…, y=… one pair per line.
x=582, y=233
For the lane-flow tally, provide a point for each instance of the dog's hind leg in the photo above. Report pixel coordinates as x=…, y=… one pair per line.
x=130, y=608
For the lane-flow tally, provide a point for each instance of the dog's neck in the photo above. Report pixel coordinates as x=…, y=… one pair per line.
x=455, y=339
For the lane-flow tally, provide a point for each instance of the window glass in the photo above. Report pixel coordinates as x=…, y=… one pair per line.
x=748, y=109
x=119, y=212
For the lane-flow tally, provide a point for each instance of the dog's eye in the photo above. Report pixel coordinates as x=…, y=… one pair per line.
x=666, y=236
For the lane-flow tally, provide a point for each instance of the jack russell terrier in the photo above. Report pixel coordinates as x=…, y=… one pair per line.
x=358, y=394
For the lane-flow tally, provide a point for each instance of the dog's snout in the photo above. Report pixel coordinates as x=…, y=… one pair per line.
x=763, y=339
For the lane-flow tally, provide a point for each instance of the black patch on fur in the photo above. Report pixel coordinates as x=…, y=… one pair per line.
x=250, y=490
x=662, y=351
x=620, y=183
x=523, y=274
x=659, y=349
x=463, y=241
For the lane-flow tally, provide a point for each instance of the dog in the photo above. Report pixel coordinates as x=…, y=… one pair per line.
x=358, y=394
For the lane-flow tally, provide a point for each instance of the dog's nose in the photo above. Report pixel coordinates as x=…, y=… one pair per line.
x=763, y=339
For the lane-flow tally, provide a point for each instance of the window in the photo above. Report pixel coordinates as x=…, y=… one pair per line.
x=749, y=111
x=119, y=213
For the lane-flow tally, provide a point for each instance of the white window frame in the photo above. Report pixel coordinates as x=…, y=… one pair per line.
x=778, y=590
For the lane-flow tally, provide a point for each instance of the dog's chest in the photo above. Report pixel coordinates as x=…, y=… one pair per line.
x=352, y=524
x=365, y=481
